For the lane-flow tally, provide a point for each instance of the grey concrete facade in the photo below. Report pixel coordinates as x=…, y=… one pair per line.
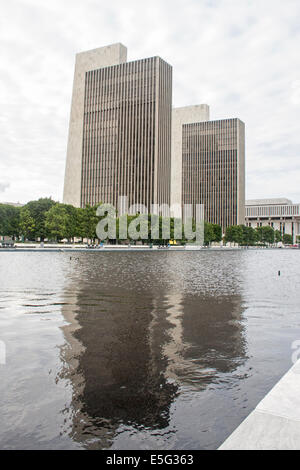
x=181, y=116
x=127, y=134
x=120, y=130
x=85, y=62
x=280, y=214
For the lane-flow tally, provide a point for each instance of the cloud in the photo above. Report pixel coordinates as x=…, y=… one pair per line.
x=241, y=58
x=3, y=187
x=295, y=92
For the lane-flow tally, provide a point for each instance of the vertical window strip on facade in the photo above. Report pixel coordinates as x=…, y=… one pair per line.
x=210, y=169
x=119, y=134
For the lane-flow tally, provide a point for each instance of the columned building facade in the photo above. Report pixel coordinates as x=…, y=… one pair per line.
x=281, y=214
x=120, y=130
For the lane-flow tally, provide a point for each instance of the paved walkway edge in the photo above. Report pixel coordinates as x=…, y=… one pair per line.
x=275, y=422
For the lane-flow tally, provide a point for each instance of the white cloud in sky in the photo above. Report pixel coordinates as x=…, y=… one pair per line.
x=3, y=187
x=240, y=57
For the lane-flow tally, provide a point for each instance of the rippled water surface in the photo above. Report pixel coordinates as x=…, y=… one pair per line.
x=141, y=350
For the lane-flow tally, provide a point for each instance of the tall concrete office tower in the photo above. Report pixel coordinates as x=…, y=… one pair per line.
x=120, y=130
x=213, y=169
x=181, y=116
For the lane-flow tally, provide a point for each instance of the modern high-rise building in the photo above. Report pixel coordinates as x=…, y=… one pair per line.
x=213, y=169
x=180, y=116
x=125, y=140
x=120, y=130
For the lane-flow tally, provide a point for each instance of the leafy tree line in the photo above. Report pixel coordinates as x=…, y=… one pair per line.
x=9, y=220
x=47, y=219
x=250, y=236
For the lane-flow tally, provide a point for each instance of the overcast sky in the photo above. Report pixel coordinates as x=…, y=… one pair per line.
x=239, y=56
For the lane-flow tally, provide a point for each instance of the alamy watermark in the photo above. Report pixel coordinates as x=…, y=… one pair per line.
x=147, y=224
x=2, y=353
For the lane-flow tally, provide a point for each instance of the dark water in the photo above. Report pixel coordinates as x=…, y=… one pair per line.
x=141, y=350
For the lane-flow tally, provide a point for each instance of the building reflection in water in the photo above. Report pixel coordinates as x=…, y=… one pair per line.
x=133, y=346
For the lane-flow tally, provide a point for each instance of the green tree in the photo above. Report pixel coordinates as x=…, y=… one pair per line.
x=249, y=235
x=265, y=234
x=72, y=228
x=269, y=234
x=146, y=217
x=38, y=210
x=87, y=222
x=217, y=229
x=27, y=224
x=234, y=233
x=209, y=233
x=56, y=221
x=152, y=219
x=9, y=220
x=287, y=239
x=259, y=234
x=278, y=236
